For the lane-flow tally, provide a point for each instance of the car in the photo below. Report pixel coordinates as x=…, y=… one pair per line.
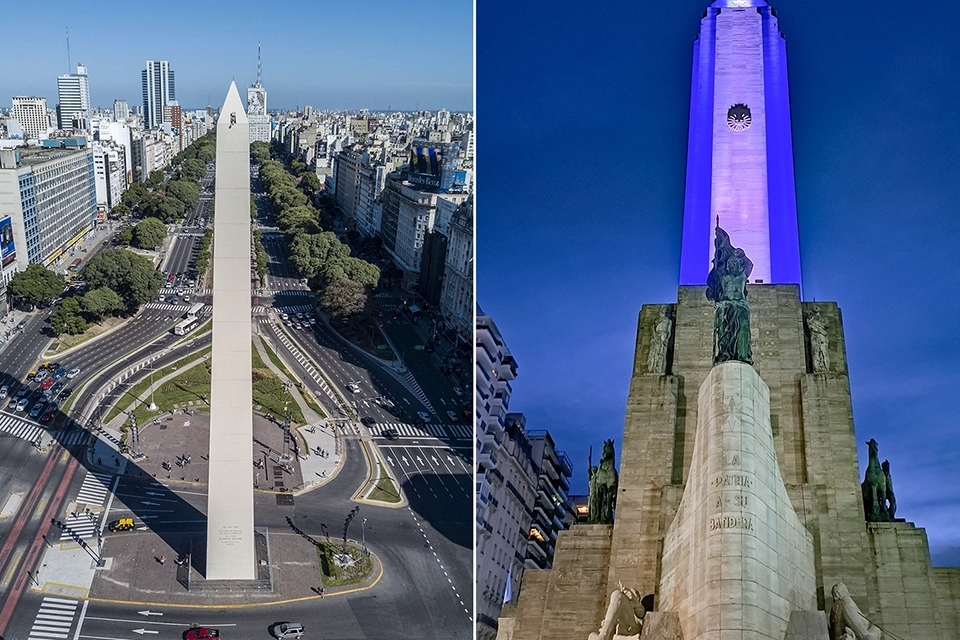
x=286, y=630
x=123, y=524
x=458, y=391
x=23, y=391
x=46, y=384
x=13, y=403
x=161, y=298
x=45, y=365
x=56, y=388
x=38, y=376
x=452, y=415
x=203, y=633
x=66, y=392
x=368, y=421
x=59, y=373
x=48, y=415
x=31, y=376
x=354, y=387
x=37, y=408
x=300, y=315
x=53, y=367
x=4, y=391
x=73, y=373
x=423, y=415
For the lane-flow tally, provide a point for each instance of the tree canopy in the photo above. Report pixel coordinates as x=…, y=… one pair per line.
x=131, y=276
x=36, y=285
x=149, y=233
x=101, y=302
x=343, y=298
x=67, y=318
x=323, y=258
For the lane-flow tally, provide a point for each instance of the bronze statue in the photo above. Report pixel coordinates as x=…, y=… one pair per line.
x=874, y=488
x=624, y=615
x=602, y=481
x=726, y=287
x=891, y=499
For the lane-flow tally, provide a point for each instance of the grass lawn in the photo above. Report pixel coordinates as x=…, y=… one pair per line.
x=270, y=394
x=335, y=576
x=66, y=341
x=141, y=387
x=193, y=384
x=386, y=489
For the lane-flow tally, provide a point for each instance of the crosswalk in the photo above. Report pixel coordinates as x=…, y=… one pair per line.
x=55, y=619
x=83, y=524
x=19, y=428
x=414, y=387
x=300, y=308
x=166, y=306
x=456, y=431
x=286, y=292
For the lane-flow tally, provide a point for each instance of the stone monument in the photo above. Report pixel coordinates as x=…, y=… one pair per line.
x=230, y=536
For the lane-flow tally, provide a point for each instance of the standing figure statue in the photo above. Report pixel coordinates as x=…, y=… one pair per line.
x=891, y=499
x=726, y=287
x=846, y=619
x=657, y=363
x=602, y=481
x=819, y=342
x=874, y=487
x=624, y=616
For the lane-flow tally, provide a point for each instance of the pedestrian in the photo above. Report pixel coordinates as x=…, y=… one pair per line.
x=99, y=461
x=320, y=591
x=162, y=560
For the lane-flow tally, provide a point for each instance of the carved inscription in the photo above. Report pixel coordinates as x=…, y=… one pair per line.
x=738, y=500
x=732, y=480
x=731, y=522
x=230, y=535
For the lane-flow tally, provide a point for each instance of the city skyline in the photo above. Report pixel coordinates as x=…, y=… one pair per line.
x=572, y=247
x=385, y=68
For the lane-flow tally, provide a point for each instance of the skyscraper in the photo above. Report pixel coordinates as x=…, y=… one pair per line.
x=73, y=90
x=740, y=149
x=257, y=108
x=120, y=110
x=31, y=113
x=158, y=91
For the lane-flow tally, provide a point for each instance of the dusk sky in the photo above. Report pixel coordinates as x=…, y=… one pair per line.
x=582, y=126
x=416, y=54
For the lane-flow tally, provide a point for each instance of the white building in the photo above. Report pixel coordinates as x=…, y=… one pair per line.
x=159, y=90
x=110, y=173
x=73, y=90
x=31, y=113
x=506, y=479
x=120, y=110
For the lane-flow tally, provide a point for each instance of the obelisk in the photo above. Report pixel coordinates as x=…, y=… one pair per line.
x=230, y=541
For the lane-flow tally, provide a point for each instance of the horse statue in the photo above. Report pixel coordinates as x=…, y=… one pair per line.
x=874, y=487
x=603, y=481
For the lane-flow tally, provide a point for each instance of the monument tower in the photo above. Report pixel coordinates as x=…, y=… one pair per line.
x=739, y=508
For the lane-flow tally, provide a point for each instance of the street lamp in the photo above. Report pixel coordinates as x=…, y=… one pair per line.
x=363, y=535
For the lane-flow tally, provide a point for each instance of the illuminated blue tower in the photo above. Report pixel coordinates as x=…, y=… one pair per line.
x=740, y=151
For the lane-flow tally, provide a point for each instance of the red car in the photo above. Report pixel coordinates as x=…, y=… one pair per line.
x=48, y=415
x=47, y=383
x=202, y=633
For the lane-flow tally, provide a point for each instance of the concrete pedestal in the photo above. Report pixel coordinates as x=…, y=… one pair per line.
x=737, y=560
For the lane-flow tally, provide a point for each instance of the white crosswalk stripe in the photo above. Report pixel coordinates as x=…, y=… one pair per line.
x=20, y=428
x=302, y=308
x=54, y=620
x=381, y=295
x=165, y=306
x=286, y=292
x=458, y=431
x=93, y=491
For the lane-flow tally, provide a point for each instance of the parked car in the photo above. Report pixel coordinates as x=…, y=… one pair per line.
x=73, y=373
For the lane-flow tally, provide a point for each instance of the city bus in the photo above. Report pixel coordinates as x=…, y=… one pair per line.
x=74, y=266
x=186, y=326
x=195, y=311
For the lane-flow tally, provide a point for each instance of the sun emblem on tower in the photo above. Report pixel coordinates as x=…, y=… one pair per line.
x=738, y=117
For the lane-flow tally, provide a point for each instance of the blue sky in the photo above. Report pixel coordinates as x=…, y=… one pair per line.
x=582, y=125
x=337, y=55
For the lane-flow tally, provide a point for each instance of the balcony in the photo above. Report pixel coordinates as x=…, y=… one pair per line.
x=566, y=466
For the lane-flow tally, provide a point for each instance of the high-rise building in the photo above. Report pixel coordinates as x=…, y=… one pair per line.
x=739, y=148
x=257, y=108
x=506, y=479
x=456, y=295
x=552, y=509
x=120, y=110
x=73, y=90
x=159, y=90
x=50, y=195
x=31, y=113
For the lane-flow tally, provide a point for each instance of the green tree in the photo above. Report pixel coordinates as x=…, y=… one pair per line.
x=101, y=302
x=194, y=168
x=309, y=182
x=186, y=191
x=132, y=276
x=67, y=319
x=259, y=151
x=311, y=253
x=132, y=196
x=155, y=178
x=164, y=209
x=298, y=166
x=36, y=285
x=118, y=211
x=343, y=299
x=149, y=233
x=126, y=234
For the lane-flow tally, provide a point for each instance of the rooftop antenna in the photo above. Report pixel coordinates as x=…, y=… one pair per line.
x=258, y=65
x=69, y=67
